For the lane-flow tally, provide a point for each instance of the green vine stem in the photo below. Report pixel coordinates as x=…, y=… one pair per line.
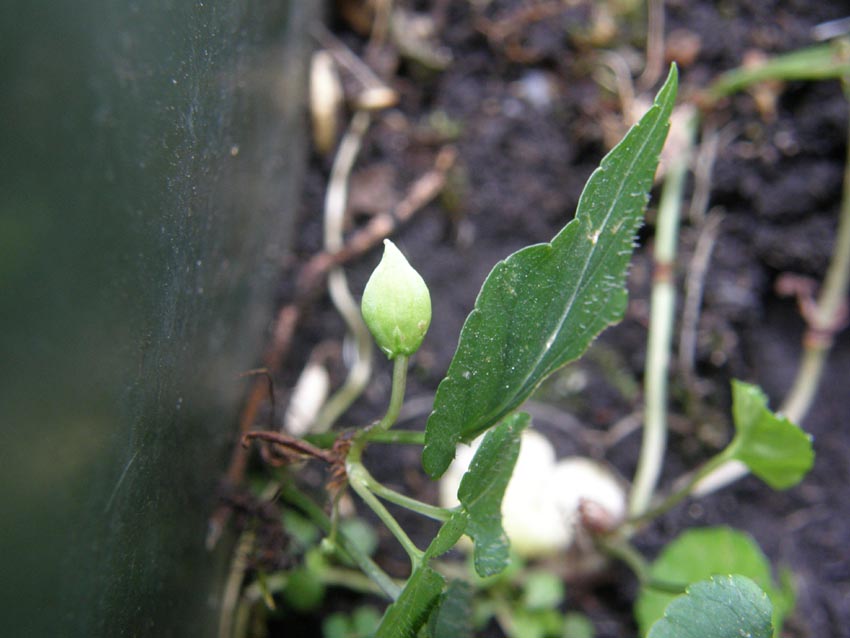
x=386, y=584
x=397, y=395
x=403, y=437
x=829, y=312
x=362, y=482
x=825, y=318
x=685, y=487
x=414, y=505
x=663, y=304
x=619, y=548
x=325, y=440
x=396, y=400
x=356, y=480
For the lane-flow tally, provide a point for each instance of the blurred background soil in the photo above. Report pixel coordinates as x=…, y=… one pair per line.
x=525, y=94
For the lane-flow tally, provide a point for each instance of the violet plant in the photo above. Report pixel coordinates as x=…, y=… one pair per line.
x=538, y=310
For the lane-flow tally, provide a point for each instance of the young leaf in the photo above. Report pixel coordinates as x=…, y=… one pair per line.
x=405, y=616
x=482, y=489
x=775, y=450
x=452, y=618
x=448, y=535
x=542, y=590
x=700, y=553
x=541, y=307
x=721, y=607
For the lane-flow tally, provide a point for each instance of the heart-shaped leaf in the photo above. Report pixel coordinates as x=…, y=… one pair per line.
x=775, y=449
x=700, y=553
x=541, y=307
x=721, y=607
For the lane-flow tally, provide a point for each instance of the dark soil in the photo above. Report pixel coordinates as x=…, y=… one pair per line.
x=530, y=117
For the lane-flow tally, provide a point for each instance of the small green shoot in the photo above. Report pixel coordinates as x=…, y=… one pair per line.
x=775, y=450
x=819, y=62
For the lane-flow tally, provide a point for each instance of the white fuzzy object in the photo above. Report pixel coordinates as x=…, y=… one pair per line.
x=541, y=505
x=308, y=397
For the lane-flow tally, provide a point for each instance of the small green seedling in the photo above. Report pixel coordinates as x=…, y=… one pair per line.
x=538, y=310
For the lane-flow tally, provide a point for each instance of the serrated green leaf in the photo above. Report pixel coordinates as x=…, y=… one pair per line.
x=722, y=607
x=482, y=489
x=541, y=307
x=452, y=618
x=448, y=535
x=700, y=553
x=410, y=611
x=775, y=449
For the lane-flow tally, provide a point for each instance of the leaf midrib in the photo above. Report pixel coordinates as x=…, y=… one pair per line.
x=528, y=382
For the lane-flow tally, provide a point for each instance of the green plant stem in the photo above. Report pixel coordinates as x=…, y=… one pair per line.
x=386, y=584
x=331, y=576
x=393, y=410
x=831, y=305
x=404, y=437
x=619, y=548
x=358, y=484
x=663, y=304
x=350, y=579
x=818, y=62
x=325, y=440
x=687, y=485
x=388, y=494
x=824, y=321
x=359, y=477
x=397, y=394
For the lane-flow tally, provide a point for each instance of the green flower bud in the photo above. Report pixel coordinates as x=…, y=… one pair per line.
x=396, y=304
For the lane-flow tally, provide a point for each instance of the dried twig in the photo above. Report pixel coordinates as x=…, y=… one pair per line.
x=694, y=285
x=419, y=195
x=654, y=45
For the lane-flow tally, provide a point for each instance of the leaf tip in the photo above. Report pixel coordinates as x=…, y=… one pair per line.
x=436, y=457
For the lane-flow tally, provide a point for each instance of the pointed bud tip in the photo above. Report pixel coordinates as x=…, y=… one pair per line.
x=396, y=304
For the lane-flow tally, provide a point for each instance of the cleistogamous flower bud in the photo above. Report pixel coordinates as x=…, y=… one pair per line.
x=396, y=304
